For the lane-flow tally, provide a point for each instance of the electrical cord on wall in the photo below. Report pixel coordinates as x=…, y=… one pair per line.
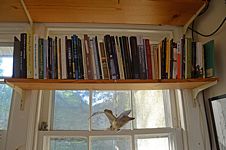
x=207, y=35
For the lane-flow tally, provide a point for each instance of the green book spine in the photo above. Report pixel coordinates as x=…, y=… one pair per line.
x=209, y=58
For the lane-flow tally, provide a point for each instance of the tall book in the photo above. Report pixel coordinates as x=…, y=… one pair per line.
x=98, y=61
x=119, y=57
x=92, y=53
x=74, y=57
x=168, y=55
x=23, y=47
x=193, y=73
x=110, y=57
x=16, y=58
x=69, y=58
x=41, y=58
x=164, y=74
x=179, y=60
x=45, y=61
x=30, y=69
x=35, y=60
x=142, y=58
x=63, y=58
x=80, y=60
x=113, y=46
x=209, y=57
x=135, y=58
x=149, y=57
x=188, y=58
x=59, y=67
x=104, y=61
x=88, y=54
x=174, y=61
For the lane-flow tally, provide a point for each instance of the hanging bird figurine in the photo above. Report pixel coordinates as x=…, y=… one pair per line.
x=116, y=122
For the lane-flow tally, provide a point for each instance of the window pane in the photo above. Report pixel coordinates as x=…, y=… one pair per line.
x=74, y=143
x=111, y=143
x=161, y=143
x=71, y=110
x=149, y=109
x=117, y=101
x=5, y=101
x=6, y=61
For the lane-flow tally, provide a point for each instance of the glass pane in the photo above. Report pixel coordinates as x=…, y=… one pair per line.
x=75, y=143
x=117, y=101
x=71, y=110
x=161, y=143
x=111, y=143
x=5, y=101
x=149, y=109
x=6, y=61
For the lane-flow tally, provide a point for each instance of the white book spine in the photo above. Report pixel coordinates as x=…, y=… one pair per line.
x=84, y=59
x=100, y=54
x=93, y=59
x=59, y=59
x=63, y=58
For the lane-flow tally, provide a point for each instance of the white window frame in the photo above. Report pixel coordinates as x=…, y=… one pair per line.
x=174, y=134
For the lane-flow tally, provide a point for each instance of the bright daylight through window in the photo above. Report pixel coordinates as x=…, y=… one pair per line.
x=72, y=109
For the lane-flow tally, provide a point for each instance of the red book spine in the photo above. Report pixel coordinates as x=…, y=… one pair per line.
x=148, y=53
x=178, y=62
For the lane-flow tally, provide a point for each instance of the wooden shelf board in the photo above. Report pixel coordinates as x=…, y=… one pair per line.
x=12, y=11
x=155, y=12
x=40, y=84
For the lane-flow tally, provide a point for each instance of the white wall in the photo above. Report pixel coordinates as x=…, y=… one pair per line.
x=206, y=24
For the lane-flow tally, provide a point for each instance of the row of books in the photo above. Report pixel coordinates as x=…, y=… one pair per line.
x=110, y=57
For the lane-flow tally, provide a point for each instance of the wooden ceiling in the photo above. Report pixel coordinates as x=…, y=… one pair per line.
x=167, y=12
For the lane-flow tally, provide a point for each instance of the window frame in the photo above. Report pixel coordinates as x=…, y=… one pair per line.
x=174, y=132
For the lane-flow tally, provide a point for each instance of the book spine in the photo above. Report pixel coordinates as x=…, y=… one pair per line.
x=172, y=59
x=164, y=74
x=104, y=61
x=16, y=58
x=36, y=61
x=122, y=41
x=135, y=58
x=149, y=57
x=40, y=58
x=59, y=67
x=49, y=67
x=160, y=60
x=113, y=46
x=142, y=64
x=80, y=60
x=92, y=53
x=88, y=57
x=95, y=56
x=75, y=64
x=154, y=59
x=45, y=51
x=183, y=55
x=109, y=52
x=189, y=58
x=179, y=60
x=119, y=57
x=193, y=75
x=29, y=56
x=63, y=58
x=85, y=76
x=69, y=58
x=23, y=47
x=98, y=58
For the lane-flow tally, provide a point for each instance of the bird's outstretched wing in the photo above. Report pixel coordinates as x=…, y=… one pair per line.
x=125, y=113
x=96, y=113
x=110, y=115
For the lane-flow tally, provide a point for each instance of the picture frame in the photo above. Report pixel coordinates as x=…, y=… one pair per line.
x=218, y=120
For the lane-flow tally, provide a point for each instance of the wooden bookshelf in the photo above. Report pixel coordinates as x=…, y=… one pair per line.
x=40, y=84
x=155, y=12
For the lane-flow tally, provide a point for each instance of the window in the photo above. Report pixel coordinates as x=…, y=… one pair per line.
x=72, y=128
x=6, y=65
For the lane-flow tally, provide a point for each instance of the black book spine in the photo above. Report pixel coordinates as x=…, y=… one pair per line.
x=135, y=58
x=115, y=57
x=74, y=57
x=80, y=60
x=112, y=70
x=171, y=58
x=16, y=58
x=163, y=60
x=23, y=46
x=183, y=57
x=193, y=71
x=127, y=57
x=49, y=69
x=55, y=59
x=69, y=58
